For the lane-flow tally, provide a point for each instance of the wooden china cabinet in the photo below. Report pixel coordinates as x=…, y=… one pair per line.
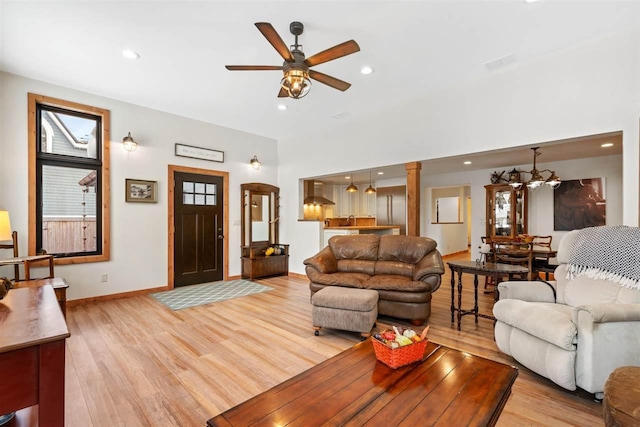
x=260, y=231
x=506, y=211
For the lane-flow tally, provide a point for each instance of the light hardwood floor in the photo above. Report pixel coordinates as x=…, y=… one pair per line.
x=134, y=362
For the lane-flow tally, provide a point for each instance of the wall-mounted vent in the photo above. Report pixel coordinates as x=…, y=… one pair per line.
x=313, y=193
x=498, y=63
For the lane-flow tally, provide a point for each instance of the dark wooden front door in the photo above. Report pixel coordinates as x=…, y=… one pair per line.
x=199, y=225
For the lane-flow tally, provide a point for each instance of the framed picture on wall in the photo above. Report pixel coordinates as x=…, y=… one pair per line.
x=579, y=203
x=140, y=191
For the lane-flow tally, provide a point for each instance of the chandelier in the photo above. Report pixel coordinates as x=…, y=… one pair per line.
x=537, y=180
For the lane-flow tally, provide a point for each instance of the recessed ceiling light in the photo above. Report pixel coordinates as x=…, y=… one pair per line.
x=366, y=70
x=467, y=162
x=282, y=107
x=380, y=173
x=607, y=144
x=530, y=1
x=129, y=54
x=347, y=177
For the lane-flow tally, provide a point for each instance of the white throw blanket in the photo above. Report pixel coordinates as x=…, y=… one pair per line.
x=608, y=252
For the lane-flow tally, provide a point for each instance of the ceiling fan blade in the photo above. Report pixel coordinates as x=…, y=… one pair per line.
x=329, y=81
x=272, y=37
x=338, y=51
x=283, y=93
x=252, y=67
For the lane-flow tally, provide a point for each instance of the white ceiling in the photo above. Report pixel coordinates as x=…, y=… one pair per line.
x=415, y=47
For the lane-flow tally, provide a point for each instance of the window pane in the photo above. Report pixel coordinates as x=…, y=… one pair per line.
x=68, y=209
x=199, y=199
x=211, y=189
x=187, y=199
x=211, y=200
x=199, y=187
x=187, y=187
x=68, y=134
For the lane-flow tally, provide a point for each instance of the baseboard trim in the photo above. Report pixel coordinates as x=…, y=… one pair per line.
x=298, y=275
x=81, y=301
x=454, y=254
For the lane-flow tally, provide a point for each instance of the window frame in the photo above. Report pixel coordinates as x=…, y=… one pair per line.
x=103, y=202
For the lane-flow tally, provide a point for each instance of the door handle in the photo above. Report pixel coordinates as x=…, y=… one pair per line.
x=220, y=237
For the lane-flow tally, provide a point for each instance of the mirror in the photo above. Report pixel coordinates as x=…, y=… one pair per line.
x=260, y=206
x=259, y=217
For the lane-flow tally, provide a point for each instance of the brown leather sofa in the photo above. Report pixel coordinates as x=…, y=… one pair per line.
x=405, y=270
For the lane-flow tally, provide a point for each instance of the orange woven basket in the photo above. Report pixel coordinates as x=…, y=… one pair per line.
x=401, y=356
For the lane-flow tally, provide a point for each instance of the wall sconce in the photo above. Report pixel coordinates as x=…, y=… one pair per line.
x=129, y=144
x=255, y=163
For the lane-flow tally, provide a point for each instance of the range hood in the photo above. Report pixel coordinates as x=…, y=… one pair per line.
x=313, y=193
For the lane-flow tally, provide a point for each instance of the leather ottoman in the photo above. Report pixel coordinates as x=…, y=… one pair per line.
x=347, y=309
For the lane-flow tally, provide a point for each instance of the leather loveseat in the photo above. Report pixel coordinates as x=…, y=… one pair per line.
x=405, y=270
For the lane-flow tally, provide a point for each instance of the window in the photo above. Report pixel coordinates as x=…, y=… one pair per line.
x=68, y=180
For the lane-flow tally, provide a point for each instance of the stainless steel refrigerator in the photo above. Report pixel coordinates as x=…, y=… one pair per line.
x=391, y=206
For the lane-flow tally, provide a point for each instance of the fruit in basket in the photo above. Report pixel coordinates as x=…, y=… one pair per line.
x=416, y=338
x=388, y=335
x=402, y=340
x=269, y=251
x=409, y=333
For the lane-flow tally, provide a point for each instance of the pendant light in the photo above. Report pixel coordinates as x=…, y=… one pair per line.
x=370, y=189
x=352, y=188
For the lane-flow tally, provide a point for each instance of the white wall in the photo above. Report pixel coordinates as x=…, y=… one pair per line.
x=540, y=202
x=138, y=231
x=586, y=90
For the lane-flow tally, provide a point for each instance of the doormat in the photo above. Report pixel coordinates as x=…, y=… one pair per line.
x=194, y=295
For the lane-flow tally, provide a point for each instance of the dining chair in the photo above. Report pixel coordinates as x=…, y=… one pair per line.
x=516, y=254
x=13, y=245
x=541, y=262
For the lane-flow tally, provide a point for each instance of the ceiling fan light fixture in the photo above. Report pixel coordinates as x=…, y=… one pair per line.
x=296, y=83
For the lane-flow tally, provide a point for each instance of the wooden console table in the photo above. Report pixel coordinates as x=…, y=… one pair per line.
x=28, y=261
x=32, y=335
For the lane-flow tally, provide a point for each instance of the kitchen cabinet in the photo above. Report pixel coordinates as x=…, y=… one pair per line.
x=506, y=211
x=346, y=203
x=359, y=203
x=367, y=204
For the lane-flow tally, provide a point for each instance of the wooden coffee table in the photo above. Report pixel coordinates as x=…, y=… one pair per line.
x=447, y=388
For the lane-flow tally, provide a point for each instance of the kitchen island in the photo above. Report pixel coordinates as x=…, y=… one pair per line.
x=359, y=229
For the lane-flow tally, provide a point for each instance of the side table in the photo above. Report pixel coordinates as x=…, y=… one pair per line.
x=490, y=269
x=59, y=286
x=621, y=403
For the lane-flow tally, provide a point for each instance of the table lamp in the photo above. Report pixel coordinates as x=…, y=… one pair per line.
x=5, y=226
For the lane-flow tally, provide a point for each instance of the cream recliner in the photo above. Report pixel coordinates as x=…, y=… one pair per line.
x=582, y=326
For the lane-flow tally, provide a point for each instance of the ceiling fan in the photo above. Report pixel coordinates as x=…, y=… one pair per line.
x=296, y=83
